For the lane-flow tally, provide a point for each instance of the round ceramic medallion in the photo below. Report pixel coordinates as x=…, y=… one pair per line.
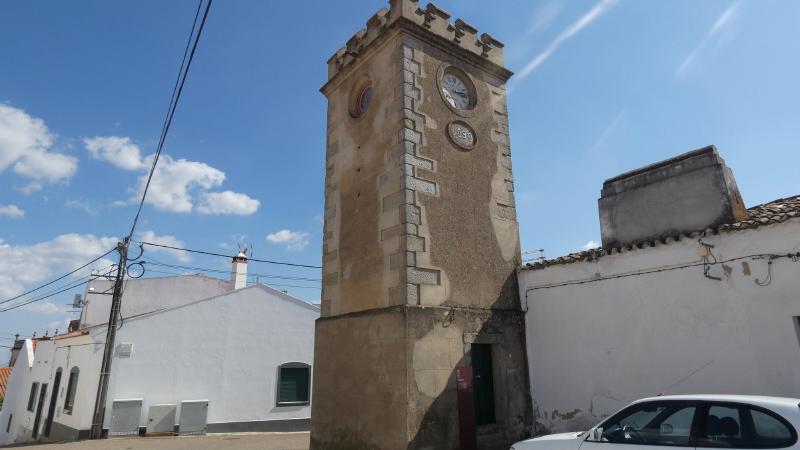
x=360, y=98
x=362, y=101
x=461, y=134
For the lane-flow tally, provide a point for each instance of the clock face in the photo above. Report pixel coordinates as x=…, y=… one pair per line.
x=456, y=92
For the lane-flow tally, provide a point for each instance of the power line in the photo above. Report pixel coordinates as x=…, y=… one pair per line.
x=268, y=284
x=18, y=305
x=793, y=256
x=63, y=288
x=203, y=252
x=59, y=278
x=177, y=90
x=280, y=277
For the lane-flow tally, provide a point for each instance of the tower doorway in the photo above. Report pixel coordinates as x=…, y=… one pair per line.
x=483, y=384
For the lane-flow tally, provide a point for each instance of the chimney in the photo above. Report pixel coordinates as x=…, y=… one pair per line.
x=239, y=270
x=690, y=192
x=18, y=343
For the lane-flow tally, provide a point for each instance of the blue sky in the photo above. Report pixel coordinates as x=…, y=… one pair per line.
x=602, y=87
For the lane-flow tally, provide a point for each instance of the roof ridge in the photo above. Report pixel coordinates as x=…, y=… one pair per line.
x=759, y=215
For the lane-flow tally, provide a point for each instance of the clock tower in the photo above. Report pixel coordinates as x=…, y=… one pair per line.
x=421, y=339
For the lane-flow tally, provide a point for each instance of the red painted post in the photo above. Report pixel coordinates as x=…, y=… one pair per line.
x=466, y=408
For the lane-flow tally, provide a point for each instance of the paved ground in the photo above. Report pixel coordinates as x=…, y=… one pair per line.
x=247, y=441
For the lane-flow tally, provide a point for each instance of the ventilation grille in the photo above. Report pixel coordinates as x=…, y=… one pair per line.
x=124, y=349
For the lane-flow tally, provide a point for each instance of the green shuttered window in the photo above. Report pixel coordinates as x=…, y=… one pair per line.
x=293, y=384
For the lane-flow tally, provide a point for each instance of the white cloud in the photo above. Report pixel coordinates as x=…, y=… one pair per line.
x=294, y=240
x=227, y=202
x=44, y=308
x=174, y=182
x=602, y=7
x=83, y=206
x=722, y=21
x=591, y=245
x=117, y=150
x=25, y=266
x=172, y=241
x=12, y=211
x=25, y=143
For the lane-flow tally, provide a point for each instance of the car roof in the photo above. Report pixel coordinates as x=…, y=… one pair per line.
x=760, y=400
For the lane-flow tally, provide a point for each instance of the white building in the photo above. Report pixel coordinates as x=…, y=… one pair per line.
x=244, y=352
x=689, y=310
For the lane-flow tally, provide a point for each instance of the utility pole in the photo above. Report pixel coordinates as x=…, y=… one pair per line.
x=108, y=352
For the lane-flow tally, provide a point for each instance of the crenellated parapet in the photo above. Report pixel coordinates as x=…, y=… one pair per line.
x=458, y=35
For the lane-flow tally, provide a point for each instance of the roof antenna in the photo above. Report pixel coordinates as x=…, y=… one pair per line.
x=539, y=258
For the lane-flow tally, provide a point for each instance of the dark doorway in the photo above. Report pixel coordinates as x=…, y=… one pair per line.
x=483, y=384
x=48, y=423
x=39, y=407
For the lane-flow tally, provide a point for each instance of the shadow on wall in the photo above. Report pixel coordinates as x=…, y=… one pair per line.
x=492, y=410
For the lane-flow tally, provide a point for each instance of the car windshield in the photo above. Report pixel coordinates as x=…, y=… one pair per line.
x=665, y=424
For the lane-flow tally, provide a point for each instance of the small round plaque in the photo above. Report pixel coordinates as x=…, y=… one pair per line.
x=461, y=134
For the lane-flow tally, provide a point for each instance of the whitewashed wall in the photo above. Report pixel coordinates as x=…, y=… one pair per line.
x=16, y=397
x=226, y=349
x=594, y=347
x=148, y=294
x=65, y=353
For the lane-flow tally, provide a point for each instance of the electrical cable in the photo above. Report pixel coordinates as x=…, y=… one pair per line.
x=59, y=278
x=657, y=270
x=63, y=288
x=203, y=269
x=202, y=252
x=176, y=95
x=267, y=284
x=18, y=305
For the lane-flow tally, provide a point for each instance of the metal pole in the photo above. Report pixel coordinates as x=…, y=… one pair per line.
x=108, y=352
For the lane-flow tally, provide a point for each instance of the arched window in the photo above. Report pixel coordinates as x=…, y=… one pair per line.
x=294, y=380
x=72, y=386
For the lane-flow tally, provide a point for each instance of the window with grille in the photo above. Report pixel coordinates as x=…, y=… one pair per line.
x=72, y=386
x=293, y=384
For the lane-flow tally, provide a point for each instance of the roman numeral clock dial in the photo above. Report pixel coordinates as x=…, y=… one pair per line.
x=455, y=91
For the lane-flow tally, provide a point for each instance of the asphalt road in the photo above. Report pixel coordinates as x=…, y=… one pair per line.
x=246, y=441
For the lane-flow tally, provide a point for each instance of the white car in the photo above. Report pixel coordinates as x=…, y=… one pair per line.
x=687, y=421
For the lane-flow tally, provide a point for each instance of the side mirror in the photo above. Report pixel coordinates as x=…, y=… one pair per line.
x=666, y=428
x=596, y=434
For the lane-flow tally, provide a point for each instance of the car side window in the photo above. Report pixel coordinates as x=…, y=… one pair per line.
x=741, y=426
x=651, y=424
x=770, y=429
